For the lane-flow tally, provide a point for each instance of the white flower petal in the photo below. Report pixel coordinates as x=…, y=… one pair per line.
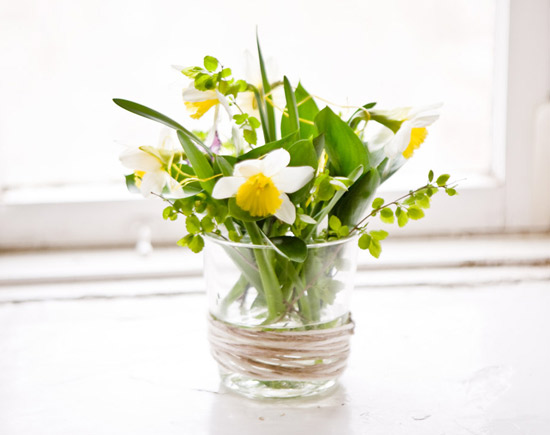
x=153, y=182
x=414, y=112
x=247, y=168
x=236, y=134
x=176, y=191
x=425, y=119
x=227, y=187
x=275, y=161
x=225, y=103
x=307, y=219
x=166, y=141
x=287, y=211
x=193, y=95
x=139, y=160
x=292, y=178
x=400, y=141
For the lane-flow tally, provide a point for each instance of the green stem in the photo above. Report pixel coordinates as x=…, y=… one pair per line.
x=236, y=292
x=270, y=282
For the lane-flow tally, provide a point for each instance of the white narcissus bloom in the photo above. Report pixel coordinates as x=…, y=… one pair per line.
x=260, y=186
x=151, y=166
x=200, y=102
x=412, y=131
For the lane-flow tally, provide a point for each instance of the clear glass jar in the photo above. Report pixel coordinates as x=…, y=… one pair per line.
x=279, y=328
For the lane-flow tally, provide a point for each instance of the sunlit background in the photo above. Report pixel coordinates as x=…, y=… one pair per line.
x=63, y=61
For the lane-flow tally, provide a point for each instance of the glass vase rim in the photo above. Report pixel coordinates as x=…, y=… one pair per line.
x=218, y=240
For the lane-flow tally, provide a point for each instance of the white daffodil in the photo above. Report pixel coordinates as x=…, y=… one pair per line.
x=151, y=167
x=412, y=130
x=260, y=186
x=200, y=102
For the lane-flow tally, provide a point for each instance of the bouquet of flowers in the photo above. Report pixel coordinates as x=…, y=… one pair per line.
x=283, y=179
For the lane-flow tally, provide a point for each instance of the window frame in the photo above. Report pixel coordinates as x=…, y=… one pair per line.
x=513, y=197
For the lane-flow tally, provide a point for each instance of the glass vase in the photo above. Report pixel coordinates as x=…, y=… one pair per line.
x=279, y=328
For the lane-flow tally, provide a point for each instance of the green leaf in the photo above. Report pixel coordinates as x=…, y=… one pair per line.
x=450, y=191
x=402, y=217
x=199, y=162
x=254, y=122
x=148, y=113
x=167, y=212
x=240, y=214
x=210, y=63
x=379, y=234
x=191, y=71
x=207, y=224
x=192, y=224
x=364, y=241
x=225, y=167
x=345, y=150
x=270, y=112
x=196, y=244
x=343, y=231
x=183, y=242
x=442, y=180
x=185, y=205
x=377, y=203
x=307, y=111
x=240, y=118
x=386, y=215
x=430, y=176
x=423, y=201
x=375, y=248
x=334, y=223
x=292, y=248
x=234, y=236
x=226, y=72
x=415, y=212
x=332, y=203
x=291, y=106
x=250, y=136
x=354, y=203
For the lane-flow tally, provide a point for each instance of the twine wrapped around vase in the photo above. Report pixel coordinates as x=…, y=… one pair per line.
x=313, y=355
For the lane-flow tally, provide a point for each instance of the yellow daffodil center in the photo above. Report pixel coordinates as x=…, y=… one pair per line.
x=418, y=136
x=199, y=108
x=138, y=176
x=259, y=196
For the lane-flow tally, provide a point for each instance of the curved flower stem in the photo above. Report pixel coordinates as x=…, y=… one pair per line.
x=270, y=282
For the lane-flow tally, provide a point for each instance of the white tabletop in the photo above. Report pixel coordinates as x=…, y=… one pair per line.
x=465, y=360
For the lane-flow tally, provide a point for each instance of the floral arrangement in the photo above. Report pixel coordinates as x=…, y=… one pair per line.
x=286, y=177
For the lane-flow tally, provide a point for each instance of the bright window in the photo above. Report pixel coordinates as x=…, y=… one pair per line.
x=63, y=61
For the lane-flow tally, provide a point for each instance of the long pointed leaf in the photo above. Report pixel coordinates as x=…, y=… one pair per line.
x=307, y=111
x=199, y=162
x=344, y=148
x=291, y=106
x=261, y=109
x=152, y=114
x=355, y=201
x=270, y=112
x=285, y=142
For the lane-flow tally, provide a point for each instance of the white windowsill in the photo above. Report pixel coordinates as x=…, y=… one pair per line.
x=443, y=262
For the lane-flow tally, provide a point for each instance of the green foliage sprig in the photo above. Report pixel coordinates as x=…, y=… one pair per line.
x=302, y=175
